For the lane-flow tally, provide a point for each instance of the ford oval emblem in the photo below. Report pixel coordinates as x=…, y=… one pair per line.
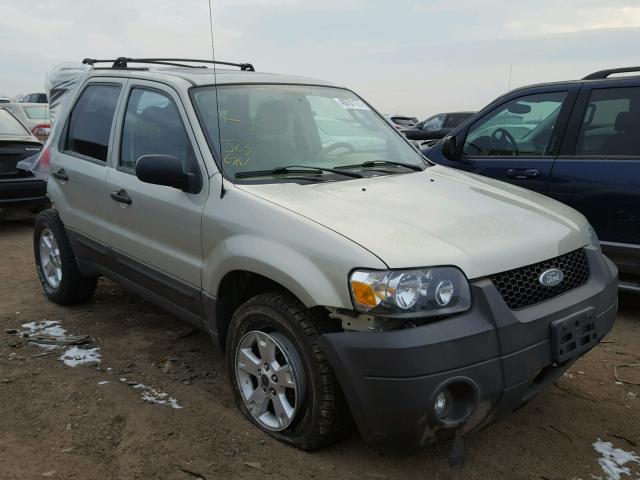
x=551, y=277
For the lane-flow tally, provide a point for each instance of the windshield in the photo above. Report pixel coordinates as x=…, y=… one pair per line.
x=9, y=125
x=263, y=127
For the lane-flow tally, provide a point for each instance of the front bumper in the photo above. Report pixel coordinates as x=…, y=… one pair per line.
x=26, y=191
x=390, y=379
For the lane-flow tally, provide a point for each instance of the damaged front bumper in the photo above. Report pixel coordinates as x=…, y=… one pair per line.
x=490, y=360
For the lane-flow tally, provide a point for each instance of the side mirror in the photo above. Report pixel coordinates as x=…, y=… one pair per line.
x=164, y=170
x=450, y=148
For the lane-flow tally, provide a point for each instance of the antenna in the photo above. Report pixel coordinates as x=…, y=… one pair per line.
x=510, y=72
x=215, y=81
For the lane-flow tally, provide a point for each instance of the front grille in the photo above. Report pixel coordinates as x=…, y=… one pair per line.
x=521, y=287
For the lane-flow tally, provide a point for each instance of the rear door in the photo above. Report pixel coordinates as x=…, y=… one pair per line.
x=517, y=140
x=156, y=231
x=598, y=169
x=79, y=163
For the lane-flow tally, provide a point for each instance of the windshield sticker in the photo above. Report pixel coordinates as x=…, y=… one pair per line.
x=351, y=104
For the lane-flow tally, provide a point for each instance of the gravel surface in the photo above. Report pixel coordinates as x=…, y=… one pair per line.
x=158, y=404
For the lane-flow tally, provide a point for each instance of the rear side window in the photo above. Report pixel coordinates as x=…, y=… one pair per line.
x=152, y=125
x=90, y=121
x=611, y=123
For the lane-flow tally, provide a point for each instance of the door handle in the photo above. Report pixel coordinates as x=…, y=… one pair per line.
x=121, y=196
x=523, y=173
x=61, y=175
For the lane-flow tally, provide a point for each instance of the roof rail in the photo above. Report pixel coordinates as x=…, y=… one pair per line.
x=605, y=73
x=123, y=62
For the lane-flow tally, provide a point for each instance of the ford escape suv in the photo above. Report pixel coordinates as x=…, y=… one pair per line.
x=344, y=275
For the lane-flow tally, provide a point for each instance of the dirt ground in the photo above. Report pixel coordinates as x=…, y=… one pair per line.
x=60, y=422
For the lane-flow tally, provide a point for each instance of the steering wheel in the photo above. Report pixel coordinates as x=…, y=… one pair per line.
x=500, y=135
x=335, y=146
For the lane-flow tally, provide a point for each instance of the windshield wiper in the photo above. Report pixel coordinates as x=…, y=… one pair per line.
x=374, y=163
x=295, y=169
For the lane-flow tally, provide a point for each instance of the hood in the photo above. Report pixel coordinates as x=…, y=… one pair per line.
x=440, y=216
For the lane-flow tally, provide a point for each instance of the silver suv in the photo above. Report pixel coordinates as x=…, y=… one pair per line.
x=344, y=275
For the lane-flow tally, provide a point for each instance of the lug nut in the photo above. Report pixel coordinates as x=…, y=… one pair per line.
x=273, y=392
x=274, y=378
x=266, y=367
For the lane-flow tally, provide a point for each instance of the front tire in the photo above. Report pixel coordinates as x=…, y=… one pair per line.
x=55, y=263
x=281, y=379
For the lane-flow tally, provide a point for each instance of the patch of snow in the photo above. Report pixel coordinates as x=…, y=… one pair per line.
x=151, y=395
x=75, y=356
x=618, y=383
x=631, y=394
x=568, y=375
x=50, y=328
x=104, y=382
x=612, y=459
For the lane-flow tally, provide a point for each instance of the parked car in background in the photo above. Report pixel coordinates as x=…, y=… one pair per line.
x=401, y=122
x=436, y=126
x=575, y=141
x=34, y=116
x=5, y=100
x=18, y=188
x=35, y=98
x=341, y=279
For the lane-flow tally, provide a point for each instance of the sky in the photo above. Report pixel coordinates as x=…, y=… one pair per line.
x=403, y=56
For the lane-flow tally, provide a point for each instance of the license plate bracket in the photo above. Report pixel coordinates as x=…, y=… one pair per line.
x=573, y=335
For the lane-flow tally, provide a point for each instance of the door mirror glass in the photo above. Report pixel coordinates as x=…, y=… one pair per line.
x=163, y=170
x=519, y=108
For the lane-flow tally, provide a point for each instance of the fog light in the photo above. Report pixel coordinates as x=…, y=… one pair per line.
x=442, y=402
x=444, y=292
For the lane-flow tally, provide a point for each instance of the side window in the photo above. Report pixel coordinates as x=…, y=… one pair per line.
x=520, y=127
x=90, y=121
x=434, y=123
x=152, y=125
x=611, y=123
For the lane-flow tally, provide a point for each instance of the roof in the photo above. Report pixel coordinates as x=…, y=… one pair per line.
x=205, y=76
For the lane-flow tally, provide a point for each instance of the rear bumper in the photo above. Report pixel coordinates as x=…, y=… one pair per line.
x=391, y=379
x=23, y=192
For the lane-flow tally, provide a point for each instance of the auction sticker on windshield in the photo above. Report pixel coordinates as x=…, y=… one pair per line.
x=352, y=104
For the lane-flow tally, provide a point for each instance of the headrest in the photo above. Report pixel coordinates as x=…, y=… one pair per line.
x=624, y=122
x=273, y=117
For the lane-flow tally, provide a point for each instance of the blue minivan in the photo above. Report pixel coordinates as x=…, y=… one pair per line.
x=576, y=141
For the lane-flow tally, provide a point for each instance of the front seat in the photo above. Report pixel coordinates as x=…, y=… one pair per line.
x=626, y=140
x=274, y=137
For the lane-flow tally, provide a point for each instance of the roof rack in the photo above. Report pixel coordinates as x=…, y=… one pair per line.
x=605, y=73
x=123, y=62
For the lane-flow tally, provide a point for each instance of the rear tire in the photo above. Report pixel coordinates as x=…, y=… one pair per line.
x=55, y=263
x=321, y=416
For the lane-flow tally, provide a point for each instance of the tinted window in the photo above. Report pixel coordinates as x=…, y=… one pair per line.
x=152, y=125
x=611, y=123
x=9, y=125
x=90, y=121
x=455, y=119
x=522, y=126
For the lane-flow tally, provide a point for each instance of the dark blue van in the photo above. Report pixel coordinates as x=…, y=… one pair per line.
x=576, y=141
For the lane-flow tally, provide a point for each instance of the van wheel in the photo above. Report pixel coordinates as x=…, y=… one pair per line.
x=55, y=263
x=280, y=377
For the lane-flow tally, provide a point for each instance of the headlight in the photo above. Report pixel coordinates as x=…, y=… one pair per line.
x=593, y=237
x=418, y=293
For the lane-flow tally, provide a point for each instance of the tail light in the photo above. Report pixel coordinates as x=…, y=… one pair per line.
x=45, y=158
x=41, y=131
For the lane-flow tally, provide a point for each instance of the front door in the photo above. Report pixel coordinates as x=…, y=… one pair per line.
x=517, y=140
x=156, y=230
